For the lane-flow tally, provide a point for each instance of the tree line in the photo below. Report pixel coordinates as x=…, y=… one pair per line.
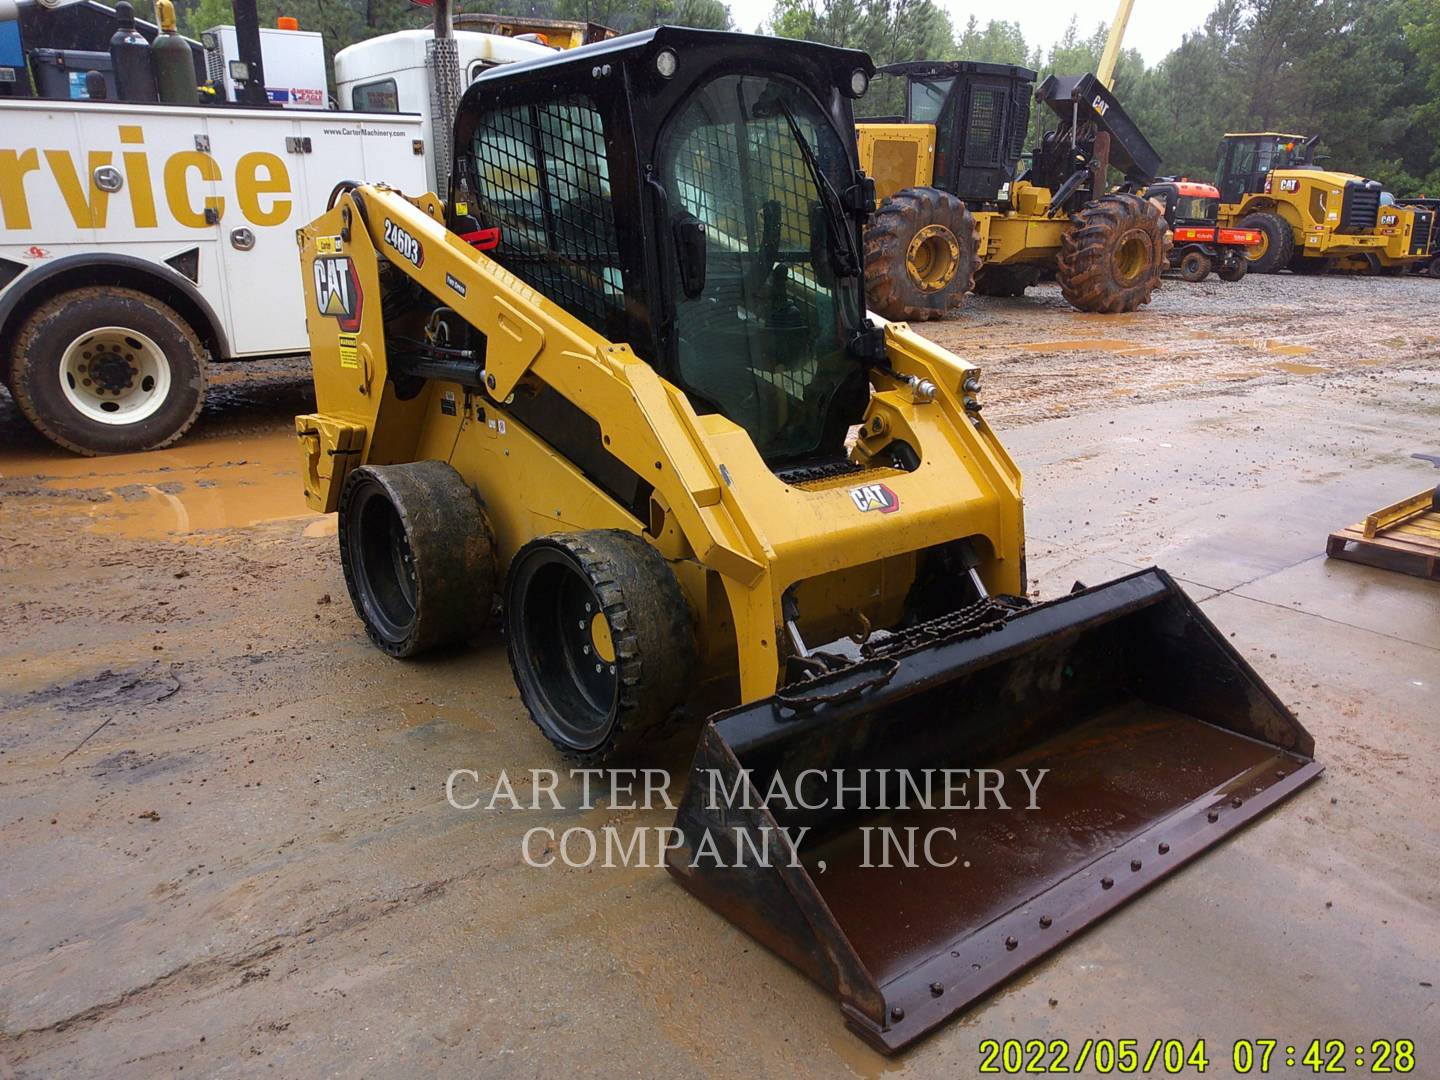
x=1363, y=74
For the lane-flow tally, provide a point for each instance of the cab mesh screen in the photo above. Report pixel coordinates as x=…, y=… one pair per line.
x=540, y=173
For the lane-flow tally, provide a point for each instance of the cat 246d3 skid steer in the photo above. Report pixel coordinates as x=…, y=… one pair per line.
x=616, y=381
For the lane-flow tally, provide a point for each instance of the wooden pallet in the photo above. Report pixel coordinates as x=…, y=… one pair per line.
x=1404, y=536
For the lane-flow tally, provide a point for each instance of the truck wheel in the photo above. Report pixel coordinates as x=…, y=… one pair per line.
x=1277, y=242
x=994, y=280
x=600, y=640
x=1112, y=254
x=1434, y=268
x=417, y=554
x=1194, y=266
x=922, y=248
x=108, y=371
x=1234, y=270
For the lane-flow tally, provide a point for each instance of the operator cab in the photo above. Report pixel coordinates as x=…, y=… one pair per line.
x=695, y=195
x=981, y=114
x=1246, y=158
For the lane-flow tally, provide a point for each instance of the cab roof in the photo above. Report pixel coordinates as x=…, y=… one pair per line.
x=645, y=44
x=1191, y=187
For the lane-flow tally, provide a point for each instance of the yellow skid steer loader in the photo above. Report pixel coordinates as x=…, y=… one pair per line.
x=623, y=381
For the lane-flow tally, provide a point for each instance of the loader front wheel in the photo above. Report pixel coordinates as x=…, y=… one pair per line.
x=921, y=252
x=600, y=640
x=1277, y=242
x=417, y=554
x=1112, y=254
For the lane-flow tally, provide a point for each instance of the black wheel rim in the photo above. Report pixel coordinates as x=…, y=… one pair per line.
x=571, y=685
x=384, y=564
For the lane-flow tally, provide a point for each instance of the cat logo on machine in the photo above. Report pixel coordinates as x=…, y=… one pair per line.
x=1292, y=184
x=875, y=497
x=406, y=245
x=337, y=292
x=1389, y=219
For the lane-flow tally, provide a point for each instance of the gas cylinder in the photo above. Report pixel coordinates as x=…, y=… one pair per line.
x=172, y=59
x=130, y=55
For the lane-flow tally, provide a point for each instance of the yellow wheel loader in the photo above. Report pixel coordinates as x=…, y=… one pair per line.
x=1312, y=219
x=623, y=382
x=956, y=217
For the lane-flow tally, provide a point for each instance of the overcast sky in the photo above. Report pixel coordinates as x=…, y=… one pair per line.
x=1155, y=26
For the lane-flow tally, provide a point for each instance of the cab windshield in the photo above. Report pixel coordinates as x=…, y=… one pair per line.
x=1196, y=208
x=757, y=162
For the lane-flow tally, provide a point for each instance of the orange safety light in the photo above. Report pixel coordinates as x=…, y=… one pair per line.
x=287, y=22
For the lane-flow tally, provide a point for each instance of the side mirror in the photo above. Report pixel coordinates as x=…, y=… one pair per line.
x=690, y=253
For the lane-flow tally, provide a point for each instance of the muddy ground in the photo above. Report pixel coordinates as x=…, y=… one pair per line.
x=226, y=845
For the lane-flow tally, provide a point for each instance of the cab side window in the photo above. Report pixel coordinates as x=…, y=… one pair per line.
x=377, y=96
x=541, y=173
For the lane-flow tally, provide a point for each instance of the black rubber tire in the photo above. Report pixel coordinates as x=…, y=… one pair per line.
x=1113, y=253
x=1279, y=241
x=1194, y=267
x=1234, y=272
x=1005, y=281
x=891, y=290
x=1434, y=268
x=37, y=359
x=418, y=555
x=600, y=714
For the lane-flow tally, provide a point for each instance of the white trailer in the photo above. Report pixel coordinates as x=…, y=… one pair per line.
x=140, y=242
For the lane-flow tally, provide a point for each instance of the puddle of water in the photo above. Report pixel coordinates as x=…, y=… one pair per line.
x=1298, y=369
x=1287, y=349
x=199, y=486
x=1084, y=344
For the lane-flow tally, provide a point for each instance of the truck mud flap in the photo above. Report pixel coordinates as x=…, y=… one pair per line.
x=1158, y=739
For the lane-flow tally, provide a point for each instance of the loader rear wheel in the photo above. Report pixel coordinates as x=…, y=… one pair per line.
x=417, y=554
x=921, y=252
x=1277, y=242
x=993, y=280
x=1112, y=254
x=1300, y=263
x=600, y=640
x=1194, y=266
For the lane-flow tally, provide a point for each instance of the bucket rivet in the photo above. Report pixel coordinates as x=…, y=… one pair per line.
x=1045, y=921
x=1236, y=801
x=897, y=1013
x=1134, y=864
x=1011, y=943
x=1164, y=849
x=1279, y=774
x=937, y=989
x=1213, y=815
x=1106, y=882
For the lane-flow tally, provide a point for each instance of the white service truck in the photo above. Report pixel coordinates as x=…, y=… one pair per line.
x=139, y=243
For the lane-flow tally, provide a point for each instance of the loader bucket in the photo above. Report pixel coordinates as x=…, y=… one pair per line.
x=1159, y=739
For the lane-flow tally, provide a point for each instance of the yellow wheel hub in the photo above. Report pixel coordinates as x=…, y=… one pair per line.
x=1255, y=252
x=1132, y=257
x=600, y=639
x=932, y=258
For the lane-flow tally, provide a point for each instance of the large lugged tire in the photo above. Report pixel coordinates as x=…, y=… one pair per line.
x=1112, y=254
x=995, y=280
x=922, y=249
x=600, y=640
x=1277, y=242
x=418, y=556
x=108, y=371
